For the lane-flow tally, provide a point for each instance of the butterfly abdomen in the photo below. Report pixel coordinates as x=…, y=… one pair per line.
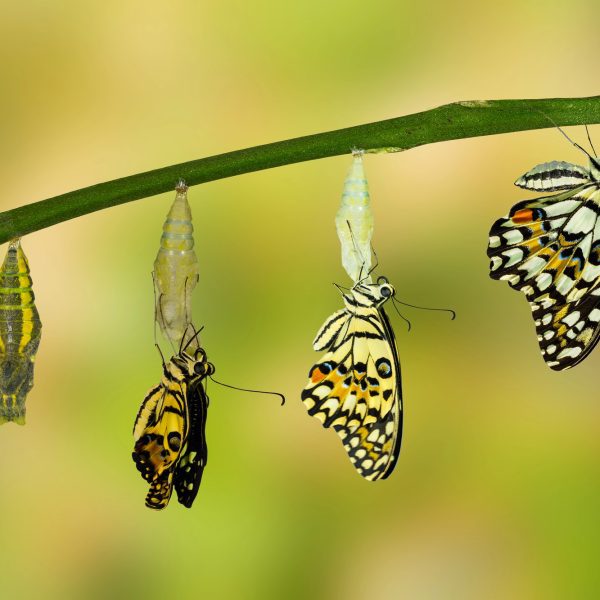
x=554, y=176
x=20, y=333
x=176, y=269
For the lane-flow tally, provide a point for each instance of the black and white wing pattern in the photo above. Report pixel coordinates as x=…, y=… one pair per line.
x=355, y=388
x=549, y=248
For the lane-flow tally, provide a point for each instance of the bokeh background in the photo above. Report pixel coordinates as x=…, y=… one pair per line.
x=496, y=491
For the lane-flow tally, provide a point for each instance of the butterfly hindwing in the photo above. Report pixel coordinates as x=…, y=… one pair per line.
x=355, y=387
x=568, y=333
x=549, y=248
x=189, y=470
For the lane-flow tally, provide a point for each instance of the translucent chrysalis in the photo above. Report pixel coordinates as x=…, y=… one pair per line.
x=354, y=222
x=176, y=269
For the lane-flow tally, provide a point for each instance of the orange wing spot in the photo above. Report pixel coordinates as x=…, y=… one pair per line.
x=523, y=216
x=317, y=375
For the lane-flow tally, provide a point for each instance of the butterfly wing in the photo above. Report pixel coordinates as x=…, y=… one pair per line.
x=160, y=432
x=549, y=249
x=189, y=469
x=355, y=389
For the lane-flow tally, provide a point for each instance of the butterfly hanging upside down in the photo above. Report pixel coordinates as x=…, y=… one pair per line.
x=549, y=248
x=169, y=432
x=356, y=386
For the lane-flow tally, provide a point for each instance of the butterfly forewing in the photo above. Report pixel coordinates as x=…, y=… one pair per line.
x=549, y=248
x=356, y=387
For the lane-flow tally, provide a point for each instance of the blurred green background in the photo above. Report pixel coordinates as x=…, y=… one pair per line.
x=496, y=491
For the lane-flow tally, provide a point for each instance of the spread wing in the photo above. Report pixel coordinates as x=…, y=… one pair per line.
x=549, y=249
x=356, y=389
x=189, y=469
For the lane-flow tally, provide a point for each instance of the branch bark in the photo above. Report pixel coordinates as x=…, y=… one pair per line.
x=449, y=122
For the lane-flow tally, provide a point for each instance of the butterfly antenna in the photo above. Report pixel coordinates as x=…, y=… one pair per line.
x=448, y=310
x=403, y=317
x=341, y=288
x=233, y=387
x=590, y=141
x=183, y=348
x=566, y=136
x=162, y=357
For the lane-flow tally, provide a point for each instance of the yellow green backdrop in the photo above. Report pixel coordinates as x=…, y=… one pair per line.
x=496, y=491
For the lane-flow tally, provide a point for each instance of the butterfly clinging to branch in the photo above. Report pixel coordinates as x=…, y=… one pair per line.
x=169, y=432
x=549, y=248
x=355, y=388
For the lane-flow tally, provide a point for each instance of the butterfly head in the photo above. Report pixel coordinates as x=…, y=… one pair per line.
x=195, y=366
x=374, y=294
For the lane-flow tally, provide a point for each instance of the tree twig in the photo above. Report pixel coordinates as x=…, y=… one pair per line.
x=448, y=122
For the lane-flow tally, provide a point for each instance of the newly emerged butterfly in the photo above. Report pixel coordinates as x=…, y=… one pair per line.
x=176, y=269
x=355, y=388
x=549, y=248
x=20, y=333
x=169, y=432
x=354, y=221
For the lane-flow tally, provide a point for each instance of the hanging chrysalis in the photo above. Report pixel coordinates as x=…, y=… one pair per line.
x=176, y=269
x=20, y=332
x=354, y=222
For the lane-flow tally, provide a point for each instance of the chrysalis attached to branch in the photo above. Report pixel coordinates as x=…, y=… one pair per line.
x=354, y=222
x=176, y=270
x=20, y=332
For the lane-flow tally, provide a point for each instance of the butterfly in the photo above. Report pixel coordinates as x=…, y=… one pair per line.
x=549, y=248
x=175, y=269
x=20, y=334
x=170, y=448
x=355, y=388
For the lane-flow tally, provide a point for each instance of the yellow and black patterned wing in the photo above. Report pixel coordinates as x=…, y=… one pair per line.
x=160, y=432
x=189, y=469
x=356, y=389
x=549, y=249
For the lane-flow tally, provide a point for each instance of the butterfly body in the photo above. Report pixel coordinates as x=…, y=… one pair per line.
x=169, y=431
x=549, y=248
x=20, y=333
x=355, y=388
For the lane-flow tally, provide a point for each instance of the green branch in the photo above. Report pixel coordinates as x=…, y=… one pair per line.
x=448, y=122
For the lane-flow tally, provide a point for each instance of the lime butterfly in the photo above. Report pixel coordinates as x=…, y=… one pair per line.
x=169, y=432
x=355, y=388
x=549, y=248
